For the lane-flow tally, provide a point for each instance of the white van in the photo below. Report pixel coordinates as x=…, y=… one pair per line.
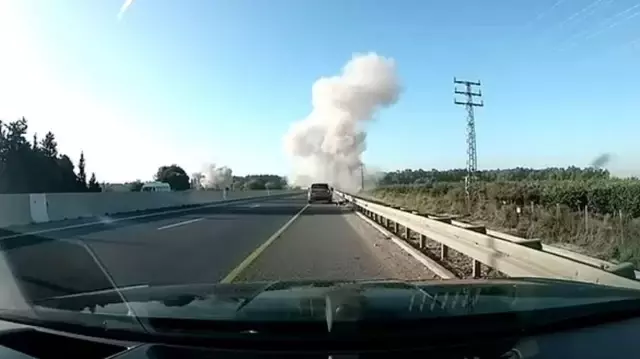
x=156, y=187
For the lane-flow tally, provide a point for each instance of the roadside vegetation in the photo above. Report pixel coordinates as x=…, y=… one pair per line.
x=34, y=165
x=585, y=210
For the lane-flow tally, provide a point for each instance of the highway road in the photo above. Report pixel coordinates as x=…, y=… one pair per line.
x=273, y=239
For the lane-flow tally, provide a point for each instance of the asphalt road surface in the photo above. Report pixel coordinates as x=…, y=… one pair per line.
x=274, y=239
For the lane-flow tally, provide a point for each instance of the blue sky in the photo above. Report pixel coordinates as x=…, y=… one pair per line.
x=195, y=82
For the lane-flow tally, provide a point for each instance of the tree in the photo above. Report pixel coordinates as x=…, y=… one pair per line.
x=135, y=186
x=93, y=184
x=68, y=178
x=82, y=176
x=16, y=132
x=273, y=185
x=35, y=145
x=257, y=182
x=254, y=184
x=49, y=145
x=175, y=176
x=32, y=166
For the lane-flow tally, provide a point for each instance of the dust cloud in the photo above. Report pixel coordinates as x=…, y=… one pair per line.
x=327, y=145
x=213, y=177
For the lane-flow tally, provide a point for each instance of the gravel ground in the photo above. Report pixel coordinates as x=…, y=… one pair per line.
x=458, y=263
x=397, y=261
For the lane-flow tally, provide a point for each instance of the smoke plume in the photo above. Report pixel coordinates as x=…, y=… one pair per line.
x=601, y=161
x=327, y=145
x=124, y=8
x=216, y=177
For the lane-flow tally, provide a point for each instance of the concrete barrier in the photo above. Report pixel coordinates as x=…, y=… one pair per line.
x=15, y=209
x=20, y=209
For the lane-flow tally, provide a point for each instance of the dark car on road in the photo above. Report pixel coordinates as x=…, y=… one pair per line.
x=319, y=192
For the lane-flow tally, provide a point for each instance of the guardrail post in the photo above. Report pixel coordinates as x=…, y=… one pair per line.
x=423, y=241
x=396, y=227
x=476, y=268
x=407, y=233
x=444, y=251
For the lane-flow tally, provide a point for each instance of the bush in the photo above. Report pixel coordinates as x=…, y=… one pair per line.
x=550, y=210
x=602, y=196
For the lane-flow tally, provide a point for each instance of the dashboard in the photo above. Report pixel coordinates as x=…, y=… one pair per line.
x=610, y=340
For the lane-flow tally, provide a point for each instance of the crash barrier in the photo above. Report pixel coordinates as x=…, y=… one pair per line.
x=514, y=258
x=21, y=209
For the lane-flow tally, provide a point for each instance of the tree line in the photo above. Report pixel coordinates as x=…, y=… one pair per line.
x=259, y=182
x=178, y=179
x=611, y=196
x=35, y=166
x=421, y=176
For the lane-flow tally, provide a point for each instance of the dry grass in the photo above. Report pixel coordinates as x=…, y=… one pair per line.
x=609, y=237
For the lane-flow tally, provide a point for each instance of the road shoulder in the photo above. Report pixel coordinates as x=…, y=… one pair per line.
x=329, y=242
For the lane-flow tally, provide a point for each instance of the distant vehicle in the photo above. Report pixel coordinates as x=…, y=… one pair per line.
x=156, y=187
x=319, y=192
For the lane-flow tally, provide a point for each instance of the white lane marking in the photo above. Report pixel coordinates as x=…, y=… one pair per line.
x=252, y=257
x=180, y=223
x=113, y=220
x=254, y=205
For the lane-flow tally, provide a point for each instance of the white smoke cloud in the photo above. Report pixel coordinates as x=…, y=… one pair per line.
x=216, y=177
x=124, y=8
x=372, y=175
x=328, y=144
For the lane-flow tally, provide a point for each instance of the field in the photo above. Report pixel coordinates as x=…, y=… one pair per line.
x=599, y=217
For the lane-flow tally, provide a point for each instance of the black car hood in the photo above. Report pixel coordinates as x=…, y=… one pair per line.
x=286, y=301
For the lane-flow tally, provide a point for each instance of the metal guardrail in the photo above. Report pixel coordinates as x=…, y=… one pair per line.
x=522, y=258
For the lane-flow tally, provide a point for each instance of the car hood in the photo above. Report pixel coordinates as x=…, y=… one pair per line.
x=286, y=301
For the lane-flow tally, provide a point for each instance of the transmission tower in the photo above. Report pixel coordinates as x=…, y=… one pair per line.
x=472, y=157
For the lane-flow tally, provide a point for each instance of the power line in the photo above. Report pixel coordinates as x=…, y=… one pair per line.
x=618, y=22
x=472, y=156
x=585, y=10
x=577, y=15
x=604, y=25
x=549, y=10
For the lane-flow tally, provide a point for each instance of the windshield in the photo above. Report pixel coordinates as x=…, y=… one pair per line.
x=236, y=161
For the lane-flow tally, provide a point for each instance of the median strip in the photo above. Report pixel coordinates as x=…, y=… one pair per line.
x=134, y=217
x=252, y=257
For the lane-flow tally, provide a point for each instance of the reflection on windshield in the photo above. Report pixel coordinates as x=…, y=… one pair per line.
x=217, y=162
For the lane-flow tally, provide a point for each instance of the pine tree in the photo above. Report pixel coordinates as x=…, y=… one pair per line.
x=93, y=184
x=82, y=176
x=35, y=145
x=49, y=145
